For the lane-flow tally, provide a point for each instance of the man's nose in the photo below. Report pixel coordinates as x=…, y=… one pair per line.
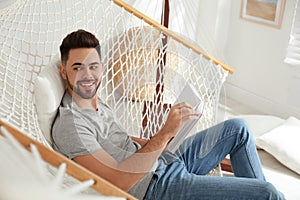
x=86, y=73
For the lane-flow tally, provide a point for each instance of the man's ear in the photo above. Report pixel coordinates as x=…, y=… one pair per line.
x=63, y=72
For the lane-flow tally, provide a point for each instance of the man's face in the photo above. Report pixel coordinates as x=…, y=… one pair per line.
x=83, y=72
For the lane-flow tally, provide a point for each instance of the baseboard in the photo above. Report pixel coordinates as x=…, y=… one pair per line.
x=258, y=103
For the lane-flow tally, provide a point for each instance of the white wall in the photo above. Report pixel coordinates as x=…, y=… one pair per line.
x=256, y=52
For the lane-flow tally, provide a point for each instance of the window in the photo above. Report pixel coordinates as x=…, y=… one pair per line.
x=293, y=50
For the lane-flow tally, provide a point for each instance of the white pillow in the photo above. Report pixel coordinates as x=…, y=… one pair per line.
x=48, y=91
x=283, y=143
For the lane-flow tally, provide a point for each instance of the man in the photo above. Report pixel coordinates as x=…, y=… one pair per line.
x=87, y=131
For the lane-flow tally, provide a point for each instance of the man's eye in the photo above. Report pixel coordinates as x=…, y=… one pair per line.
x=76, y=68
x=93, y=66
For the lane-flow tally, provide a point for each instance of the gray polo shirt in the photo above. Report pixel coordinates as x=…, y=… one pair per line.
x=78, y=131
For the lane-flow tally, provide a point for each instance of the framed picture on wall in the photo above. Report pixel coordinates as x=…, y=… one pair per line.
x=267, y=12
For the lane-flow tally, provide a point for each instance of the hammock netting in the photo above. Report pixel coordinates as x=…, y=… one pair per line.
x=143, y=65
x=146, y=68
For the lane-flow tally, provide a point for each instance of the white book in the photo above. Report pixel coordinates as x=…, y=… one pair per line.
x=189, y=95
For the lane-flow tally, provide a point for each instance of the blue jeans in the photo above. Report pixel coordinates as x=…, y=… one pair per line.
x=183, y=175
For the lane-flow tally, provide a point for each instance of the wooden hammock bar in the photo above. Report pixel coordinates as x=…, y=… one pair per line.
x=171, y=34
x=55, y=159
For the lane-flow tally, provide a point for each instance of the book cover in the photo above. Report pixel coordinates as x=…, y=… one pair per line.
x=189, y=95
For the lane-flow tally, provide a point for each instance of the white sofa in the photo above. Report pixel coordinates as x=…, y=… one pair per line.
x=279, y=173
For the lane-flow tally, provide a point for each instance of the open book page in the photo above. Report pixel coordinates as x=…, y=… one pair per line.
x=192, y=97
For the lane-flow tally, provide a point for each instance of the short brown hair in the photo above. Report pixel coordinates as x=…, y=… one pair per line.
x=78, y=39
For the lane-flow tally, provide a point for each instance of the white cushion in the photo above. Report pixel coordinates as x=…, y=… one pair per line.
x=283, y=143
x=48, y=91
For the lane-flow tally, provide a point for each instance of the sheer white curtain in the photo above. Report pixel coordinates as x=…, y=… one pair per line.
x=293, y=50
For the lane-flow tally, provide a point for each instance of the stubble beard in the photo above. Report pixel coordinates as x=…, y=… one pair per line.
x=88, y=94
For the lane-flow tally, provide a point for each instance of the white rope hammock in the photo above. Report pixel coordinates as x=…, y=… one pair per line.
x=147, y=65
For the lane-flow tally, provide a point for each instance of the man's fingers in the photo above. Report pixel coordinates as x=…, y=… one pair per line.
x=182, y=105
x=186, y=112
x=190, y=115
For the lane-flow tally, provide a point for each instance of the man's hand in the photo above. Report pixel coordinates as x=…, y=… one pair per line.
x=178, y=115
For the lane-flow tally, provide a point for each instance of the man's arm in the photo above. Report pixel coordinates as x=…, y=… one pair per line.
x=128, y=172
x=142, y=142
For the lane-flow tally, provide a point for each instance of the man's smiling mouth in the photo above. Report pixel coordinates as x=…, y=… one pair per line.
x=86, y=83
